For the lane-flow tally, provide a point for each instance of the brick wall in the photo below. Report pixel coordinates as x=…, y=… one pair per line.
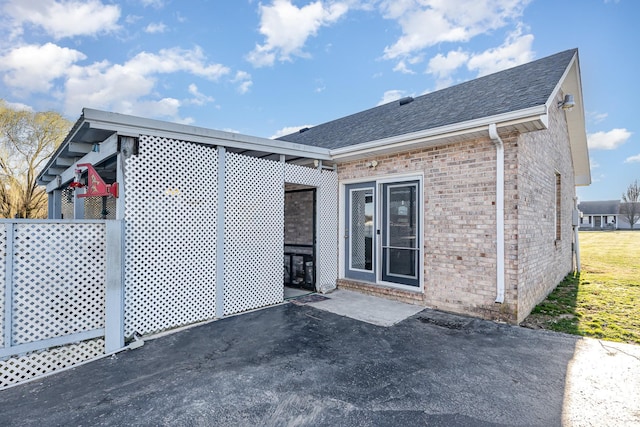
x=459, y=220
x=459, y=224
x=543, y=261
x=298, y=217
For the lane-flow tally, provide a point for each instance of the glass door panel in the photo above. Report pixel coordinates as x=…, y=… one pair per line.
x=400, y=231
x=359, y=231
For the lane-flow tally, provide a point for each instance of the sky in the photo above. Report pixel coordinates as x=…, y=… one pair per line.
x=269, y=68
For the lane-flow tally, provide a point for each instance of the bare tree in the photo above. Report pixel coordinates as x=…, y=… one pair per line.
x=27, y=141
x=630, y=206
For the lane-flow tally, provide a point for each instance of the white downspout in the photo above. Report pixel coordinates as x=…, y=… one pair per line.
x=493, y=134
x=576, y=228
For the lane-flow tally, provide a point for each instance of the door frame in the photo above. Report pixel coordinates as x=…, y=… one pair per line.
x=379, y=180
x=357, y=274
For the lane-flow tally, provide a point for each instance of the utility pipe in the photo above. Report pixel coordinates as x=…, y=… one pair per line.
x=576, y=228
x=493, y=134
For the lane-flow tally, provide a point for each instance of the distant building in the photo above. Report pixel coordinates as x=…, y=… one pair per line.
x=603, y=215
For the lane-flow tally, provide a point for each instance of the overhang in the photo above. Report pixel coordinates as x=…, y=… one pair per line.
x=95, y=127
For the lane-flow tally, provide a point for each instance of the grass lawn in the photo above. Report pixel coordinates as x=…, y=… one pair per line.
x=603, y=301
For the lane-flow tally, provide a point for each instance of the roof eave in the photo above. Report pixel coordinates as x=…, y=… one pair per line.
x=526, y=120
x=126, y=125
x=570, y=83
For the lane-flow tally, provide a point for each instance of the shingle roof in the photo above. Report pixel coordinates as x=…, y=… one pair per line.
x=601, y=207
x=514, y=89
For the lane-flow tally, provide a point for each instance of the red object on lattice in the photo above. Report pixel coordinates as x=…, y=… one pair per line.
x=75, y=184
x=95, y=184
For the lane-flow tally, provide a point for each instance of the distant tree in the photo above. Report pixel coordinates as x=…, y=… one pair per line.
x=630, y=207
x=27, y=141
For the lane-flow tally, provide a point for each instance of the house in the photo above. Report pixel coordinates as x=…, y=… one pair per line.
x=599, y=215
x=462, y=200
x=605, y=215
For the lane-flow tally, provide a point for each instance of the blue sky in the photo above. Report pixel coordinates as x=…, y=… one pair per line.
x=268, y=68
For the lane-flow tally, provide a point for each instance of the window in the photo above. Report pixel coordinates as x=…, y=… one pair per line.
x=558, y=213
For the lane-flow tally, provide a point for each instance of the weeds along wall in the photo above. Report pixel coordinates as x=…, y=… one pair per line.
x=171, y=211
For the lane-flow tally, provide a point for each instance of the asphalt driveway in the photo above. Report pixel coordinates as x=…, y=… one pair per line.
x=297, y=365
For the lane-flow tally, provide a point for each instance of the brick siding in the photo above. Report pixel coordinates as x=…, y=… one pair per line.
x=543, y=261
x=459, y=220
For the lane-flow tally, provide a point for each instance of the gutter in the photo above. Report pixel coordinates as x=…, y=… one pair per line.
x=493, y=134
x=433, y=135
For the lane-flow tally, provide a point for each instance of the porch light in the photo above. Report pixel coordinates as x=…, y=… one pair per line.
x=568, y=103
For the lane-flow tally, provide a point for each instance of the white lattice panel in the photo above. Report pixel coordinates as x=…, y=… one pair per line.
x=58, y=280
x=254, y=233
x=296, y=174
x=328, y=231
x=327, y=214
x=67, y=203
x=22, y=368
x=170, y=212
x=3, y=254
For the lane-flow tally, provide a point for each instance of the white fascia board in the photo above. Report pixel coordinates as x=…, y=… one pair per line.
x=136, y=126
x=108, y=148
x=434, y=135
x=570, y=83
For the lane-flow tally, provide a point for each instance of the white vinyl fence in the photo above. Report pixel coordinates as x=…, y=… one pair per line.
x=58, y=281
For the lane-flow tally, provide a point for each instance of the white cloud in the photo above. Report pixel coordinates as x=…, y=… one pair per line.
x=401, y=67
x=287, y=28
x=596, y=117
x=288, y=130
x=64, y=18
x=155, y=28
x=594, y=164
x=244, y=81
x=425, y=23
x=154, y=3
x=608, y=140
x=391, y=95
x=19, y=106
x=198, y=97
x=443, y=66
x=130, y=87
x=516, y=50
x=33, y=68
x=633, y=159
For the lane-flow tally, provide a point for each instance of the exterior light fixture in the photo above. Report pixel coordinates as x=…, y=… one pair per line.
x=128, y=146
x=567, y=103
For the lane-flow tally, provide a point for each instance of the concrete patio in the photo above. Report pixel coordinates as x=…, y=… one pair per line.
x=294, y=364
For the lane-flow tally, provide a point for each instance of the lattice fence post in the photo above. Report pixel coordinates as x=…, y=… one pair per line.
x=114, y=298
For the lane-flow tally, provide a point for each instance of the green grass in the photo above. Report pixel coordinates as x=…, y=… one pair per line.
x=603, y=301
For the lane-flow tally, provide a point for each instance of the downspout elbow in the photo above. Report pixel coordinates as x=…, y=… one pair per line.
x=500, y=269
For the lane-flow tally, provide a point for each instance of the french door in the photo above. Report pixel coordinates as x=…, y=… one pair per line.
x=382, y=232
x=360, y=230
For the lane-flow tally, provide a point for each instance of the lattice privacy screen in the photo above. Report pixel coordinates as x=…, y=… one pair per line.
x=327, y=215
x=21, y=368
x=254, y=233
x=58, y=280
x=170, y=213
x=3, y=254
x=58, y=289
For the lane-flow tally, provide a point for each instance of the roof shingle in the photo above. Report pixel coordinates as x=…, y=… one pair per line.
x=525, y=86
